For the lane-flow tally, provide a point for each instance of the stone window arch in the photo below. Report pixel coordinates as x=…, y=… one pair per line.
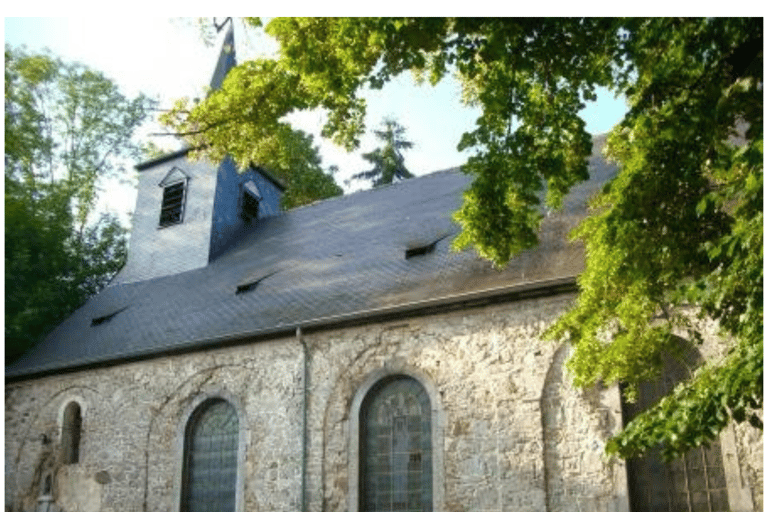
x=396, y=435
x=71, y=433
x=211, y=458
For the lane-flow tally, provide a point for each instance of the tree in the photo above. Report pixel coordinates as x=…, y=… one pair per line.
x=296, y=161
x=388, y=161
x=255, y=96
x=675, y=237
x=66, y=129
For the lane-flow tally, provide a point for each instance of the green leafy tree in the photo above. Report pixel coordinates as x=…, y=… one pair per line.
x=256, y=96
x=66, y=128
x=675, y=238
x=388, y=161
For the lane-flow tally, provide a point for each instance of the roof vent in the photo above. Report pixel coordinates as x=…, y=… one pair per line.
x=251, y=285
x=420, y=250
x=106, y=318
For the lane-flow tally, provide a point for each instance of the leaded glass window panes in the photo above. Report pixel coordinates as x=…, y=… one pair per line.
x=694, y=482
x=396, y=448
x=210, y=459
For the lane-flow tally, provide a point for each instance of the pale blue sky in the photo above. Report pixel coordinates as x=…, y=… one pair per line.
x=166, y=58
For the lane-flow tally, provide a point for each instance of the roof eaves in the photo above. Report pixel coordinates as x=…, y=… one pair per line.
x=183, y=152
x=513, y=293
x=162, y=159
x=271, y=177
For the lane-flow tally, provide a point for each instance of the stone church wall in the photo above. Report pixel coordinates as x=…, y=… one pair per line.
x=133, y=419
x=494, y=377
x=511, y=432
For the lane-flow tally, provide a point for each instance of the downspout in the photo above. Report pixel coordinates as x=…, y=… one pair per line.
x=305, y=432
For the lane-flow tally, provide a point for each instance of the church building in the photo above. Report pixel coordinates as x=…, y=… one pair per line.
x=335, y=357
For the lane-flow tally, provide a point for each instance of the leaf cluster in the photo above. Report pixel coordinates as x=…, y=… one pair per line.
x=678, y=233
x=245, y=120
x=516, y=77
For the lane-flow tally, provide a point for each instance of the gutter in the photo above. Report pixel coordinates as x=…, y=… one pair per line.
x=468, y=300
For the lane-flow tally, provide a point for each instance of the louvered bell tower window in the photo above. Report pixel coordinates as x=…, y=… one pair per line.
x=172, y=209
x=249, y=201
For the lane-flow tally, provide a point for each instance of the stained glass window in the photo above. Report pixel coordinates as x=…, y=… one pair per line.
x=693, y=483
x=396, y=444
x=210, y=469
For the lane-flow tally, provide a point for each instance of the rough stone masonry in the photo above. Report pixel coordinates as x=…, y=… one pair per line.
x=510, y=432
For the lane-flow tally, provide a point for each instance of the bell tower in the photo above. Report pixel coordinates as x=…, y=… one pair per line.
x=188, y=212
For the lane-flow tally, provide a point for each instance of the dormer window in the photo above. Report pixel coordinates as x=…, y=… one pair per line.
x=249, y=201
x=174, y=196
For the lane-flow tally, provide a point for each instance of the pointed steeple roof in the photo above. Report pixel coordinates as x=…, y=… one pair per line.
x=227, y=58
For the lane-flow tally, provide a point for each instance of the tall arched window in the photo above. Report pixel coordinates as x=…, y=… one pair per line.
x=694, y=482
x=210, y=458
x=396, y=447
x=71, y=427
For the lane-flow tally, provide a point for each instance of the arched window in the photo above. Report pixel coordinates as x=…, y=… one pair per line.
x=210, y=458
x=696, y=481
x=396, y=447
x=71, y=427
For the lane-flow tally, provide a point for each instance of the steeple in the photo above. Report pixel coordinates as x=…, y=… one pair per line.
x=189, y=212
x=227, y=58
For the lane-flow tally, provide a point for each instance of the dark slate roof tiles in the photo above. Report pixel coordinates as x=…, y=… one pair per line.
x=328, y=259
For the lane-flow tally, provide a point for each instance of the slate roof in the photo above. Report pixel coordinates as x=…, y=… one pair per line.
x=337, y=260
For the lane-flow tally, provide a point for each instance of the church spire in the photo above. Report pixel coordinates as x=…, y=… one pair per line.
x=226, y=58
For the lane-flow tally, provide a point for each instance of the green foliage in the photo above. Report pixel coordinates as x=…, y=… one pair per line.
x=388, y=161
x=244, y=120
x=296, y=162
x=678, y=234
x=697, y=410
x=675, y=239
x=65, y=128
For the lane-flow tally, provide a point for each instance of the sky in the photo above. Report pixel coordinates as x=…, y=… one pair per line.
x=170, y=59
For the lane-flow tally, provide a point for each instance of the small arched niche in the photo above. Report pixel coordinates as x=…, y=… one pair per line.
x=71, y=433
